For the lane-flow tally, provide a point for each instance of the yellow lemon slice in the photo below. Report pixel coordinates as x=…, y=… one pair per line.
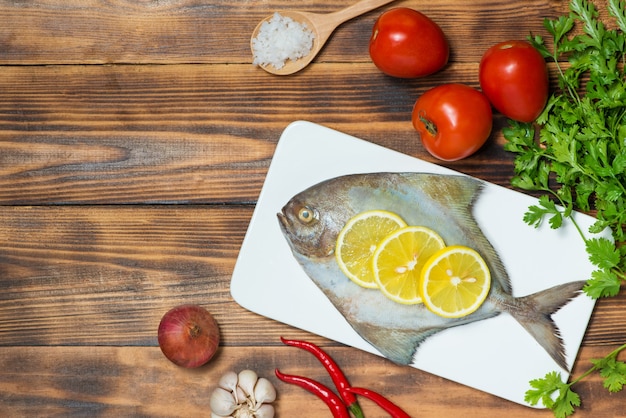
x=358, y=240
x=399, y=259
x=454, y=282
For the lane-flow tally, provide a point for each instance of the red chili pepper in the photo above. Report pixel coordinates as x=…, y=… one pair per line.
x=338, y=377
x=392, y=409
x=333, y=401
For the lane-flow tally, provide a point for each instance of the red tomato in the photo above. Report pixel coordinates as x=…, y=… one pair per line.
x=407, y=44
x=514, y=77
x=453, y=120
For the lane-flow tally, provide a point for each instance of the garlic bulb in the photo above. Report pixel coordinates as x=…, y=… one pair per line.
x=243, y=395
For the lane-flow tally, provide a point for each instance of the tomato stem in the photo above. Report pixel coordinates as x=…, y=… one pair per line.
x=430, y=125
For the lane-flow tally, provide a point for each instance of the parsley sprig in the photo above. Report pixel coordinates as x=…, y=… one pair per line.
x=576, y=155
x=612, y=370
x=608, y=257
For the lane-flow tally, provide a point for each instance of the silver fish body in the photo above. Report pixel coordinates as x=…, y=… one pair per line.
x=312, y=219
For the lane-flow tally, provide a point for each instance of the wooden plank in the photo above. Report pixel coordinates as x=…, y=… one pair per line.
x=189, y=31
x=200, y=134
x=137, y=381
x=104, y=275
x=127, y=189
x=112, y=272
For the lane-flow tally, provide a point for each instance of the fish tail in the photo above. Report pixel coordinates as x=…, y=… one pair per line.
x=535, y=316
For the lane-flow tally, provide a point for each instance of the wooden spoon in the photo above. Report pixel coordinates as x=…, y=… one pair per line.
x=322, y=26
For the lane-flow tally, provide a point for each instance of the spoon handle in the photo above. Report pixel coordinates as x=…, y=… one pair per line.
x=357, y=9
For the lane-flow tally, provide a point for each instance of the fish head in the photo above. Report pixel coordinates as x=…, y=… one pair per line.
x=311, y=222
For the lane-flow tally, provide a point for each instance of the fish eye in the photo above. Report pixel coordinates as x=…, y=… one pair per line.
x=307, y=215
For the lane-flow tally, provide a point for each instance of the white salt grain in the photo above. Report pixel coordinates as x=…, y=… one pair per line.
x=280, y=39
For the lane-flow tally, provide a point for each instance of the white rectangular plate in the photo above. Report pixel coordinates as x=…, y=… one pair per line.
x=495, y=355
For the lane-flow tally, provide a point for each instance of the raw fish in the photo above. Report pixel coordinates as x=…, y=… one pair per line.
x=312, y=219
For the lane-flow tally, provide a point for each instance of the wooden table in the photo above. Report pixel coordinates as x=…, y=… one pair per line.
x=135, y=137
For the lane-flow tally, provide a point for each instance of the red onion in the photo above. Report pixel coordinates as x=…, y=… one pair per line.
x=188, y=335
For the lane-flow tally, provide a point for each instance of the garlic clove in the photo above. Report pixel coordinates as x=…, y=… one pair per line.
x=240, y=395
x=222, y=402
x=247, y=381
x=264, y=391
x=228, y=381
x=265, y=411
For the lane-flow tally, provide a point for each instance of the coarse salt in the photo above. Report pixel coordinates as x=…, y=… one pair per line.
x=280, y=39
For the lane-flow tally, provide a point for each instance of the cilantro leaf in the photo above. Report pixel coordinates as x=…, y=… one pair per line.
x=617, y=10
x=544, y=388
x=553, y=393
x=603, y=253
x=565, y=403
x=535, y=214
x=587, y=13
x=613, y=371
x=603, y=283
x=558, y=29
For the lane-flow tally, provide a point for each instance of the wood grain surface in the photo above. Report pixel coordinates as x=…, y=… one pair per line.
x=135, y=137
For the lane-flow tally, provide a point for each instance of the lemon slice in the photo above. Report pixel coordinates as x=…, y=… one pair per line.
x=358, y=240
x=454, y=282
x=399, y=259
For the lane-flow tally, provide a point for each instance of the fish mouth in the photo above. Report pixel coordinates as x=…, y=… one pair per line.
x=285, y=227
x=283, y=221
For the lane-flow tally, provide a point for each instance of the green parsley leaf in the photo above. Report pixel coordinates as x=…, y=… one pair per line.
x=534, y=216
x=603, y=283
x=613, y=372
x=603, y=253
x=617, y=10
x=544, y=389
x=565, y=403
x=553, y=393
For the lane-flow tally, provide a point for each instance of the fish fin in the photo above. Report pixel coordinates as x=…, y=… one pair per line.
x=459, y=194
x=396, y=345
x=535, y=317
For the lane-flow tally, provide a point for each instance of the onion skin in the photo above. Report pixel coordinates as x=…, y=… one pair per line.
x=188, y=336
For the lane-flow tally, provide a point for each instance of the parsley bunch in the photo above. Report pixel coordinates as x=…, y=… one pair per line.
x=579, y=157
x=576, y=155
